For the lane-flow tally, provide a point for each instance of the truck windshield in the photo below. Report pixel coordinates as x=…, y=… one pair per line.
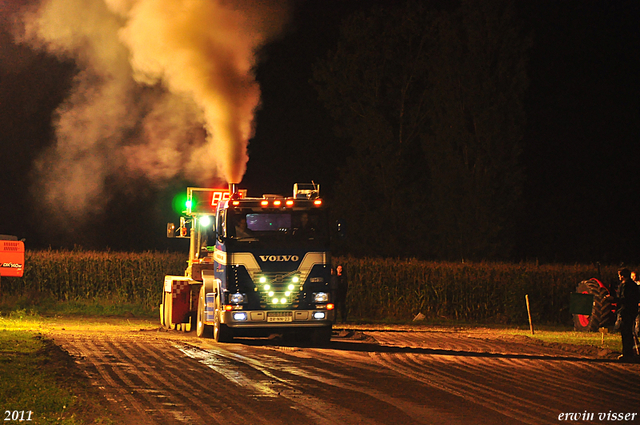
x=289, y=225
x=268, y=222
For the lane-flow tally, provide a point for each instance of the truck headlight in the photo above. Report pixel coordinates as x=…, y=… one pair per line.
x=318, y=315
x=236, y=298
x=240, y=316
x=320, y=297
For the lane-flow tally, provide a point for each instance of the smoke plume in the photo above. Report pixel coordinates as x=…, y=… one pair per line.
x=164, y=89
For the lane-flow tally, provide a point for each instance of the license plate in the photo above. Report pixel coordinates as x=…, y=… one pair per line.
x=280, y=316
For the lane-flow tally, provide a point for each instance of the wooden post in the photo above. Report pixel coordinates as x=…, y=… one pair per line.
x=603, y=331
x=526, y=297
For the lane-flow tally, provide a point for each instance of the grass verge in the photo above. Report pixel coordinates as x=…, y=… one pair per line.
x=11, y=304
x=40, y=379
x=557, y=335
x=28, y=383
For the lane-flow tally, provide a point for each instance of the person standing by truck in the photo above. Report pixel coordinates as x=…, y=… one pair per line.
x=342, y=288
x=627, y=298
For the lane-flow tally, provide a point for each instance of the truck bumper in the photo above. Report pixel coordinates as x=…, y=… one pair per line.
x=278, y=318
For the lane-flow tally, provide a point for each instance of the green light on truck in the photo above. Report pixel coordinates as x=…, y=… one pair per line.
x=179, y=203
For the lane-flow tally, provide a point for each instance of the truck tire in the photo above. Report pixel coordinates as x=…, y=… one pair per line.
x=601, y=314
x=202, y=330
x=321, y=337
x=221, y=332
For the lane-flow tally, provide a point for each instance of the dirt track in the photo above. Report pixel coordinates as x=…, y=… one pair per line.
x=374, y=377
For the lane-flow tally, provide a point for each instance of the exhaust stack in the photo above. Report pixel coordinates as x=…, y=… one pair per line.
x=233, y=191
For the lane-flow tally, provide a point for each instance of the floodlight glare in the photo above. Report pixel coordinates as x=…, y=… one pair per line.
x=205, y=221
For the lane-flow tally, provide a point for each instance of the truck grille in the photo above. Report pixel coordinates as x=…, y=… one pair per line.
x=279, y=283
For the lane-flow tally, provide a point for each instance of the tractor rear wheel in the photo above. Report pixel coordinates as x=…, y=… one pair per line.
x=162, y=310
x=168, y=305
x=601, y=314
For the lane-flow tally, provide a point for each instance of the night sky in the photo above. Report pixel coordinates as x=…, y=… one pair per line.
x=581, y=140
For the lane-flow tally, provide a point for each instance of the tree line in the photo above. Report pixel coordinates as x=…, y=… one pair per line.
x=429, y=100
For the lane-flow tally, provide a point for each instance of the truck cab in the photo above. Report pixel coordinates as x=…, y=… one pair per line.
x=258, y=265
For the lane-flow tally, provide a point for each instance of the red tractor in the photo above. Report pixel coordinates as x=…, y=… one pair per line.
x=591, y=307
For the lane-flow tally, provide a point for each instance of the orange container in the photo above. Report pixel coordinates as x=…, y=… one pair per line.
x=11, y=258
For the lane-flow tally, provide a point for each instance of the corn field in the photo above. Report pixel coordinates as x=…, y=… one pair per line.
x=480, y=292
x=378, y=288
x=88, y=275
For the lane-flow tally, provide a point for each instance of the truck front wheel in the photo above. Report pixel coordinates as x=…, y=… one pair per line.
x=202, y=330
x=221, y=332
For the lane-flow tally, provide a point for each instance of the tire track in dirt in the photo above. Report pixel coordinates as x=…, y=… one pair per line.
x=282, y=380
x=326, y=385
x=229, y=396
x=533, y=389
x=154, y=375
x=107, y=380
x=441, y=375
x=363, y=389
x=393, y=378
x=525, y=375
x=159, y=404
x=121, y=396
x=147, y=392
x=150, y=382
